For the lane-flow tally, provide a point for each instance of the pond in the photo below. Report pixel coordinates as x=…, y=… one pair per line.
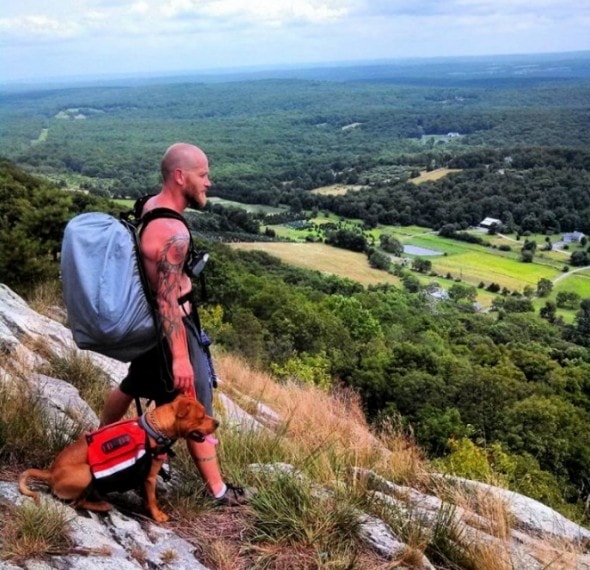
x=415, y=250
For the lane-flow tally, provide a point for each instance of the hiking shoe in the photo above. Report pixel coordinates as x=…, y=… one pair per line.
x=234, y=496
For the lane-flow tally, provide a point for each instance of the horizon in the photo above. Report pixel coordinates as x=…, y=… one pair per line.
x=292, y=70
x=102, y=38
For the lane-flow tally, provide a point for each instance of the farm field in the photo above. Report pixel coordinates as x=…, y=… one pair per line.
x=433, y=175
x=252, y=208
x=324, y=258
x=336, y=189
x=578, y=282
x=474, y=267
x=471, y=263
x=343, y=263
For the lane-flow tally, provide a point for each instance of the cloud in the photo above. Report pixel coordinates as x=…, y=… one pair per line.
x=39, y=27
x=468, y=8
x=72, y=18
x=159, y=34
x=259, y=12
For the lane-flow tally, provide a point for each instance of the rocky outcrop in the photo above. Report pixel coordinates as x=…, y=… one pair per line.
x=25, y=335
x=117, y=541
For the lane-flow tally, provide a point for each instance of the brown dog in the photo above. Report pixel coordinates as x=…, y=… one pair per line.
x=69, y=477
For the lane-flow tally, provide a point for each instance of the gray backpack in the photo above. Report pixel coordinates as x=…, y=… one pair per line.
x=111, y=309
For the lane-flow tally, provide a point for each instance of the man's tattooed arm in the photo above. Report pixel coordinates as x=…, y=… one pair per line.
x=170, y=271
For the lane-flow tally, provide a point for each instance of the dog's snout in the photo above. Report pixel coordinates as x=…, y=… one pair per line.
x=216, y=423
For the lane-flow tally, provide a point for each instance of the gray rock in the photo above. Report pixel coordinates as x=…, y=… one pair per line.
x=62, y=401
x=18, y=322
x=372, y=530
x=531, y=515
x=111, y=541
x=237, y=416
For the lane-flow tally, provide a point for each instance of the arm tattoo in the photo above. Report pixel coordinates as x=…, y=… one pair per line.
x=170, y=267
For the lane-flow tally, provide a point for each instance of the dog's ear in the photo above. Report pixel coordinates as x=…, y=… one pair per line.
x=183, y=405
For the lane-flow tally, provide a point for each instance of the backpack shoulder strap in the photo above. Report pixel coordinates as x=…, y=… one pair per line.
x=139, y=205
x=159, y=213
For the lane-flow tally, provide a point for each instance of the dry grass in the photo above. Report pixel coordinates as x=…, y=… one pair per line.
x=286, y=524
x=79, y=370
x=47, y=299
x=337, y=189
x=324, y=258
x=218, y=535
x=27, y=442
x=33, y=530
x=436, y=174
x=331, y=428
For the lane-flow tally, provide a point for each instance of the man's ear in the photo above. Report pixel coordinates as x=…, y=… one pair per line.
x=178, y=176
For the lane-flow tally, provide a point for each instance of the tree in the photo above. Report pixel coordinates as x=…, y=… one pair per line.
x=580, y=258
x=528, y=251
x=347, y=239
x=548, y=428
x=567, y=299
x=421, y=265
x=549, y=311
x=528, y=292
x=582, y=323
x=513, y=304
x=544, y=287
x=380, y=260
x=391, y=245
x=461, y=292
x=411, y=283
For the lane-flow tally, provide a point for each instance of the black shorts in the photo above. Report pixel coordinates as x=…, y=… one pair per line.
x=150, y=375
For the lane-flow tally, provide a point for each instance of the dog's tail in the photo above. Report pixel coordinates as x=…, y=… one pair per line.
x=37, y=474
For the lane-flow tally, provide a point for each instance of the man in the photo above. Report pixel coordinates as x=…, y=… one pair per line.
x=164, y=245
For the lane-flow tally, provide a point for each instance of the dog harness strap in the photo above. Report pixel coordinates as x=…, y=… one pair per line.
x=162, y=441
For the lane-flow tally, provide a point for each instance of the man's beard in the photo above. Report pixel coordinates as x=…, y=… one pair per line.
x=192, y=203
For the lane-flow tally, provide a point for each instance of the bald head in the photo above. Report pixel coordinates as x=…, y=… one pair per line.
x=181, y=155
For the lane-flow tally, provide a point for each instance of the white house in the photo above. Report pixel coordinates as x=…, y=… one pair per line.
x=487, y=223
x=573, y=237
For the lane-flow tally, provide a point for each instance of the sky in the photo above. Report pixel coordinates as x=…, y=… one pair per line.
x=89, y=38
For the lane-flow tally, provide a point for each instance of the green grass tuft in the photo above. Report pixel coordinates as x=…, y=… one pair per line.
x=79, y=370
x=34, y=530
x=24, y=441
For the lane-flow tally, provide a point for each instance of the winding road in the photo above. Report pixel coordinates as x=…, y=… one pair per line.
x=564, y=275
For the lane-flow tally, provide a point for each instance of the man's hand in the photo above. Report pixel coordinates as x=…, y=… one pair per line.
x=184, y=377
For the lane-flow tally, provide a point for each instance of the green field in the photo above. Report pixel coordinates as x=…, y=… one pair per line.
x=252, y=208
x=578, y=282
x=475, y=267
x=124, y=202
